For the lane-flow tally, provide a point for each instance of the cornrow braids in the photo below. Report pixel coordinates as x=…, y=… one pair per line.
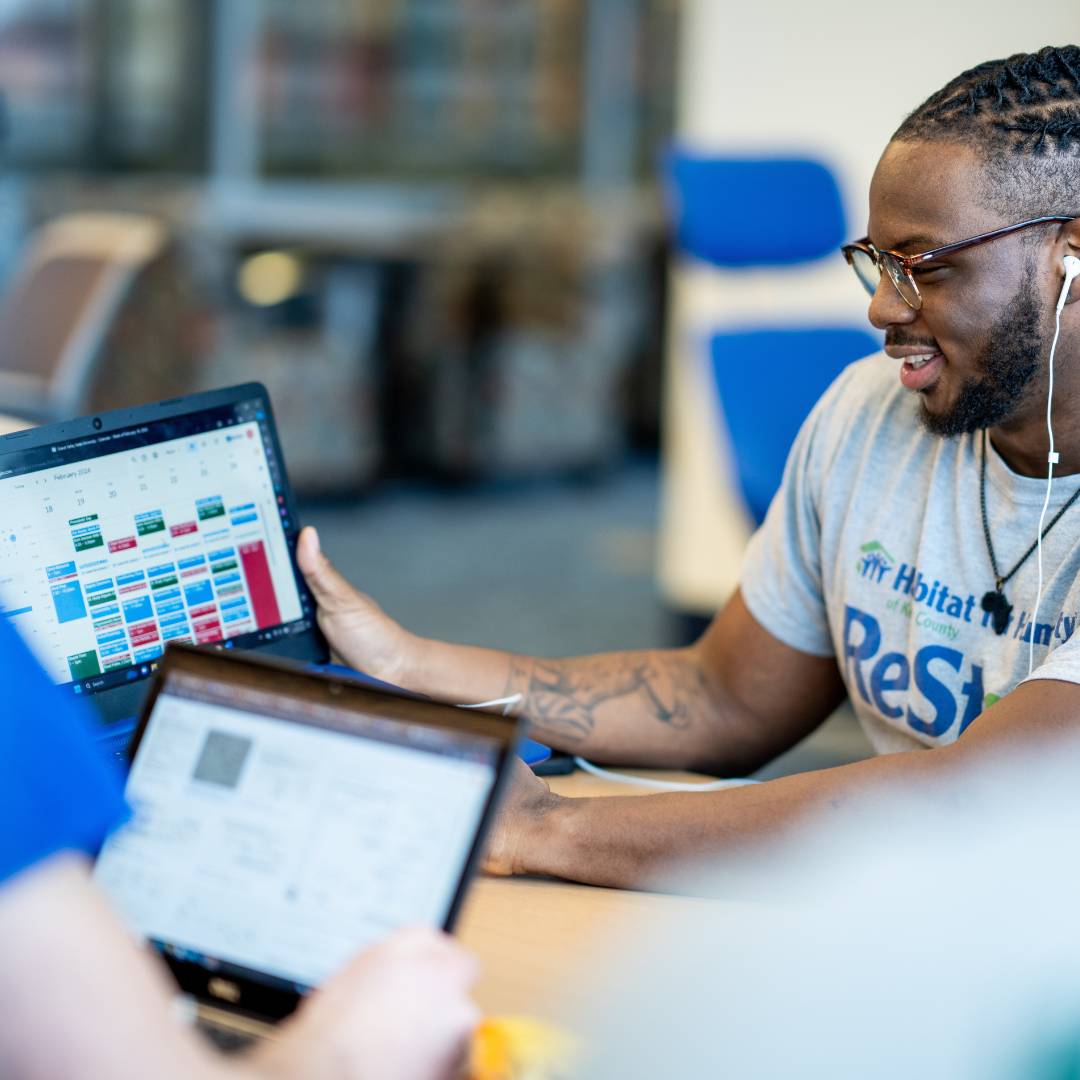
x=1032, y=130
x=1021, y=115
x=987, y=102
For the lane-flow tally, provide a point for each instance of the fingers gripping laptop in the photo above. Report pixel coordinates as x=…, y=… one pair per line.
x=284, y=819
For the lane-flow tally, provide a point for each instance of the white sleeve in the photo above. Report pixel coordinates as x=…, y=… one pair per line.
x=1063, y=663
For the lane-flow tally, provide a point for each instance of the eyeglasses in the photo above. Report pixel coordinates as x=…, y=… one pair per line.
x=869, y=263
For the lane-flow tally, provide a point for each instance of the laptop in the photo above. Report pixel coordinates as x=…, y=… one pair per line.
x=285, y=819
x=122, y=532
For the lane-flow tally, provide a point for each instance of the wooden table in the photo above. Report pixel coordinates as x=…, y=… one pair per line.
x=534, y=935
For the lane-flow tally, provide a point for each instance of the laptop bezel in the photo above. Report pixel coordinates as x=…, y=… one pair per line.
x=271, y=999
x=117, y=708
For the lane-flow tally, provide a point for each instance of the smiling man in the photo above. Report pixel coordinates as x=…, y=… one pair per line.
x=897, y=564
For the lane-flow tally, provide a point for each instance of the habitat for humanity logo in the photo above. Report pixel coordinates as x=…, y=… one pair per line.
x=876, y=562
x=877, y=565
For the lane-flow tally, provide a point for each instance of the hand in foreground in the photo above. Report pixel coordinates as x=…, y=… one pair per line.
x=399, y=1011
x=358, y=630
x=519, y=824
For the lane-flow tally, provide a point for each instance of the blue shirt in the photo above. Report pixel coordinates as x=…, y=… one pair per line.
x=57, y=791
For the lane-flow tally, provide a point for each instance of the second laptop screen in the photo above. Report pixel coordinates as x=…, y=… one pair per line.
x=282, y=847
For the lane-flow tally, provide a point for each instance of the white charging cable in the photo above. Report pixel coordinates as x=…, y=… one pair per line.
x=663, y=785
x=507, y=702
x=1072, y=269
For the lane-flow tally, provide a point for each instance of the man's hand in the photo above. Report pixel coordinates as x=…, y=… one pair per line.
x=525, y=802
x=400, y=1011
x=358, y=630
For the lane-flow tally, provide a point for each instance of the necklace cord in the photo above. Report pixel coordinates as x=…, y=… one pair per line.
x=1034, y=543
x=1002, y=579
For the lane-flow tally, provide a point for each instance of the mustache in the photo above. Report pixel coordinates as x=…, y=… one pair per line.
x=905, y=341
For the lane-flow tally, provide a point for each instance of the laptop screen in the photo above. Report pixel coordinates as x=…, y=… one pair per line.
x=114, y=542
x=275, y=834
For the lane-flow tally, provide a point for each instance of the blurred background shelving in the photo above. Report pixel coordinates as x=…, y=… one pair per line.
x=458, y=199
x=104, y=85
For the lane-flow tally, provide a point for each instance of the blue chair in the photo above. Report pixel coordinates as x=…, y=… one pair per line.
x=768, y=380
x=740, y=214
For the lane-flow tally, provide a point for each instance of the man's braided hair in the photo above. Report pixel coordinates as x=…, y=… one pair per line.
x=1022, y=117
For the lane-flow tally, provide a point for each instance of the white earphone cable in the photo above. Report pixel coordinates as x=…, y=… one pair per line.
x=1051, y=461
x=1072, y=270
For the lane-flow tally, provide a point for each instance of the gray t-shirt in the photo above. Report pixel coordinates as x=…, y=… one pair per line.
x=873, y=551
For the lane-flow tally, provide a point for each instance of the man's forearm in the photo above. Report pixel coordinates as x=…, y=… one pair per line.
x=651, y=707
x=727, y=704
x=627, y=841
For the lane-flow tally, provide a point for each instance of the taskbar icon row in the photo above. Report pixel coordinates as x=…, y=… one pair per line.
x=109, y=680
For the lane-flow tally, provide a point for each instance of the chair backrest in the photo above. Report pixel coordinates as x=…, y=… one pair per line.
x=737, y=214
x=54, y=320
x=768, y=381
x=754, y=212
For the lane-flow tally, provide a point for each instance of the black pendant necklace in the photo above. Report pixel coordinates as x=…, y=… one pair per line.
x=994, y=601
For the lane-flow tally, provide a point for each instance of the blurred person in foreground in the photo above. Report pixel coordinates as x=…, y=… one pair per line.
x=934, y=938
x=896, y=564
x=81, y=999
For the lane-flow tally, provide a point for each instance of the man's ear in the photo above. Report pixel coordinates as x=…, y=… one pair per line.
x=1070, y=238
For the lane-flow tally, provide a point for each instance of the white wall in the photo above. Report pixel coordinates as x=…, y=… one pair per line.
x=832, y=78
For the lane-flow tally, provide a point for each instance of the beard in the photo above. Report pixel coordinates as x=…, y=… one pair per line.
x=1009, y=364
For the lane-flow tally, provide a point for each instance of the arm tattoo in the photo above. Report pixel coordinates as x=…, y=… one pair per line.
x=563, y=696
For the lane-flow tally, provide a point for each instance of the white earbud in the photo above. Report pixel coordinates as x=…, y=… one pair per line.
x=1072, y=269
